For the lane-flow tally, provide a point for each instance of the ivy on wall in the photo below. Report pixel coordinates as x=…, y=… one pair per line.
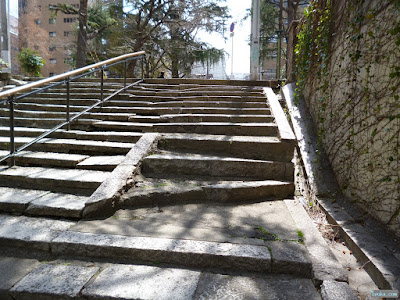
x=348, y=70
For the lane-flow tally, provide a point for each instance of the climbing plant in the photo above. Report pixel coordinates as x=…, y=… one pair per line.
x=348, y=70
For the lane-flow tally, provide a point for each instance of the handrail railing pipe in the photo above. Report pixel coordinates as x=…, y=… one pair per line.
x=12, y=131
x=68, y=103
x=14, y=94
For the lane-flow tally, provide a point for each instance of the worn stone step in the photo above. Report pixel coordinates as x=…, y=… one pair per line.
x=62, y=115
x=158, y=191
x=60, y=101
x=41, y=203
x=229, y=104
x=255, y=147
x=157, y=111
x=184, y=118
x=178, y=96
x=106, y=136
x=197, y=92
x=49, y=107
x=70, y=145
x=175, y=163
x=62, y=239
x=72, y=95
x=254, y=129
x=101, y=163
x=82, y=182
x=83, y=124
x=30, y=158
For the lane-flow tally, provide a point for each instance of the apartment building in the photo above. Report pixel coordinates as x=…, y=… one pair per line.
x=52, y=36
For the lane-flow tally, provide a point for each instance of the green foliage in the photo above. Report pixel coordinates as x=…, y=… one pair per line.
x=3, y=65
x=31, y=62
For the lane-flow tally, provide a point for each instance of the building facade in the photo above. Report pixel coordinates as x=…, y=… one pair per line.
x=52, y=36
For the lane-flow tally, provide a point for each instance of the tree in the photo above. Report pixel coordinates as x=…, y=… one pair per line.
x=31, y=62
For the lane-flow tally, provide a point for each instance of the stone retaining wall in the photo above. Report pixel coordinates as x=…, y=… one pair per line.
x=353, y=96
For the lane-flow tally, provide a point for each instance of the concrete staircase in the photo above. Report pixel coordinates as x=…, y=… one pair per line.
x=198, y=175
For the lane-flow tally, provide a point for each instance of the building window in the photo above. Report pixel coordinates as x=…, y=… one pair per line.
x=52, y=21
x=52, y=34
x=68, y=33
x=53, y=60
x=68, y=60
x=52, y=48
x=38, y=21
x=69, y=20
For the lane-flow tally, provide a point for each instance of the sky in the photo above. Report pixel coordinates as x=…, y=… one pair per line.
x=241, y=48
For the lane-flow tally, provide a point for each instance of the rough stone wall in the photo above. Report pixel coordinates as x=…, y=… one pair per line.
x=355, y=104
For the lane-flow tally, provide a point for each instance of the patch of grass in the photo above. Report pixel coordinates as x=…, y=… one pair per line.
x=301, y=238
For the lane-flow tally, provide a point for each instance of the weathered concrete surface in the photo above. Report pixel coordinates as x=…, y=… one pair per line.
x=247, y=223
x=260, y=287
x=33, y=232
x=333, y=290
x=12, y=270
x=143, y=282
x=105, y=198
x=253, y=147
x=52, y=204
x=54, y=282
x=104, y=163
x=219, y=166
x=189, y=253
x=16, y=200
x=325, y=264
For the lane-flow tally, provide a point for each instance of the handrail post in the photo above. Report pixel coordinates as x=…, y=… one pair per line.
x=142, y=67
x=68, y=103
x=12, y=132
x=125, y=67
x=102, y=84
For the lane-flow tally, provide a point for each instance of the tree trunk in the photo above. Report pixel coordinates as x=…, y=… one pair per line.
x=82, y=35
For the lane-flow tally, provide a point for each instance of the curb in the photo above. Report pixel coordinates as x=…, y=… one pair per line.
x=104, y=200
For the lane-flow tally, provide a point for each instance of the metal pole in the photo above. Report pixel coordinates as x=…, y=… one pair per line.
x=255, y=41
x=125, y=67
x=232, y=35
x=68, y=104
x=143, y=67
x=278, y=64
x=102, y=84
x=12, y=132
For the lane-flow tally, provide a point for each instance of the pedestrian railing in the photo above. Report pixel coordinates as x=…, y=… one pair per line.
x=12, y=96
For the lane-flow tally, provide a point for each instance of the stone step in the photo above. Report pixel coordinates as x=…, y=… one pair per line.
x=72, y=95
x=81, y=182
x=253, y=147
x=41, y=203
x=254, y=129
x=175, y=191
x=62, y=115
x=157, y=98
x=105, y=136
x=187, y=118
x=197, y=92
x=65, y=160
x=71, y=145
x=229, y=104
x=71, y=280
x=82, y=124
x=156, y=111
x=194, y=165
x=49, y=107
x=60, y=101
x=62, y=239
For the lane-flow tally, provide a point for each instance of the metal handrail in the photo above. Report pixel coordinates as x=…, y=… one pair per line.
x=64, y=78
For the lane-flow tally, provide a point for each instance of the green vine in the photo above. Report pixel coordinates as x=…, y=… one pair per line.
x=348, y=71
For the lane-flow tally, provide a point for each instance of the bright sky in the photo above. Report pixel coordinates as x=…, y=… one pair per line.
x=241, y=48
